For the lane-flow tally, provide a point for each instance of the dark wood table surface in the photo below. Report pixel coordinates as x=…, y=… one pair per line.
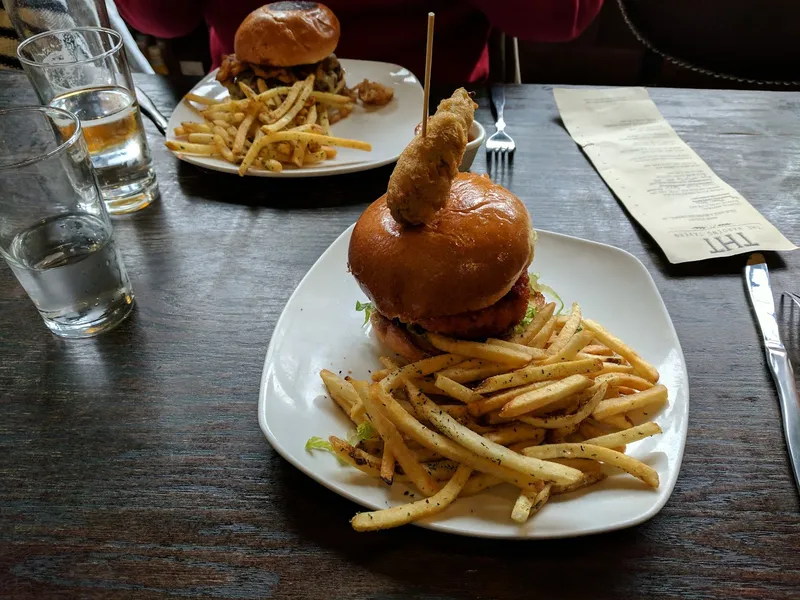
x=132, y=465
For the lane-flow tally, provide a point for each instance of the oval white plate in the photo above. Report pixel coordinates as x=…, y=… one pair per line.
x=388, y=128
x=319, y=328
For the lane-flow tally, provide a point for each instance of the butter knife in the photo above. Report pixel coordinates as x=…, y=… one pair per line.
x=756, y=275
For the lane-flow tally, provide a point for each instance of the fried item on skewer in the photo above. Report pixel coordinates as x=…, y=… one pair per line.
x=425, y=170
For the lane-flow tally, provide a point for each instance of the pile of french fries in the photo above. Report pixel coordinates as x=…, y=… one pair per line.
x=549, y=410
x=267, y=130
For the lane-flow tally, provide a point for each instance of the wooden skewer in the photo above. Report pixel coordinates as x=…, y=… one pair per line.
x=428, y=58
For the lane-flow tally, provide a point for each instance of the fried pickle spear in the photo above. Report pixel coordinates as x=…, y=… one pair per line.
x=425, y=170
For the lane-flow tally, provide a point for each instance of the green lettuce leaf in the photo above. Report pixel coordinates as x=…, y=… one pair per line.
x=530, y=313
x=367, y=307
x=364, y=431
x=317, y=443
x=537, y=286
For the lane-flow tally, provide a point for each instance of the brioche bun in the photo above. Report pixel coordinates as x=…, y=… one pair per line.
x=466, y=259
x=286, y=34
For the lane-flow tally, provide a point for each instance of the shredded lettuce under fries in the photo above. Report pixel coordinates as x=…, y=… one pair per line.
x=530, y=313
x=536, y=286
x=367, y=307
x=364, y=431
x=317, y=443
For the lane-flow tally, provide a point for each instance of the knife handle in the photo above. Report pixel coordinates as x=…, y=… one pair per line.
x=151, y=112
x=783, y=374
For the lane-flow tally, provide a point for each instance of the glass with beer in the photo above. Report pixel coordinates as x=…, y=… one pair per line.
x=84, y=71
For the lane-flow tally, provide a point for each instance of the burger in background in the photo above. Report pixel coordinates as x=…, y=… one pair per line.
x=282, y=43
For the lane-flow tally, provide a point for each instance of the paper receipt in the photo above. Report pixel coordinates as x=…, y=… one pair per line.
x=690, y=212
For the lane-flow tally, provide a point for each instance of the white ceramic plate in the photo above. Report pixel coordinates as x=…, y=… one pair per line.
x=319, y=328
x=388, y=128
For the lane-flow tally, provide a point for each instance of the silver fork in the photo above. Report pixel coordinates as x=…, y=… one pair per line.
x=500, y=142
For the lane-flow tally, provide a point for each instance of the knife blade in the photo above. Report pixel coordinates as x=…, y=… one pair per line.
x=150, y=111
x=756, y=276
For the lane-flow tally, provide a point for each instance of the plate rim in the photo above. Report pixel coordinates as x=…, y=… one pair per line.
x=331, y=171
x=440, y=527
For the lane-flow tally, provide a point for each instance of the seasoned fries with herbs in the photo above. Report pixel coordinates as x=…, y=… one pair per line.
x=548, y=417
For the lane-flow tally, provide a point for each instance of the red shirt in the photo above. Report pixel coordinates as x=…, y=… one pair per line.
x=387, y=30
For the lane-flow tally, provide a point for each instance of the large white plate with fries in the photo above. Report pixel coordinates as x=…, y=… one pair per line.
x=320, y=330
x=366, y=138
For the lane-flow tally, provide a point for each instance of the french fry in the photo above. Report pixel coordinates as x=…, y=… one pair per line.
x=571, y=349
x=531, y=329
x=485, y=448
x=299, y=153
x=291, y=113
x=496, y=354
x=441, y=470
x=462, y=374
x=432, y=440
x=622, y=438
x=201, y=99
x=305, y=136
x=534, y=353
x=598, y=349
x=261, y=86
x=200, y=138
x=619, y=380
x=543, y=335
x=598, y=392
x=587, y=480
x=421, y=368
x=394, y=441
x=544, y=396
x=624, y=404
x=428, y=386
x=528, y=504
x=498, y=401
x=567, y=331
x=514, y=433
x=192, y=107
x=244, y=127
x=355, y=457
x=539, y=373
x=479, y=482
x=456, y=390
x=324, y=121
x=189, y=148
x=340, y=390
x=387, y=466
x=407, y=513
x=630, y=465
x=619, y=421
x=612, y=368
x=644, y=368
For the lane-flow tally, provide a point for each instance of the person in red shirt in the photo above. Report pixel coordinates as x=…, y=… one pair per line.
x=387, y=30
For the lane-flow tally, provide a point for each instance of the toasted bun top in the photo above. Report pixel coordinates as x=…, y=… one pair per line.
x=467, y=258
x=286, y=34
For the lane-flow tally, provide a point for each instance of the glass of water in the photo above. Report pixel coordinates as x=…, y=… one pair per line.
x=55, y=232
x=84, y=70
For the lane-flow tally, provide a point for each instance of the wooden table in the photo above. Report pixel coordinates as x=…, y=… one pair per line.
x=132, y=465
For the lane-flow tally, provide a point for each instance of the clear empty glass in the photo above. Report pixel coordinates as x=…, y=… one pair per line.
x=84, y=71
x=55, y=232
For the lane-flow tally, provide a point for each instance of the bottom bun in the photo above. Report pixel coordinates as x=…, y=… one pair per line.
x=400, y=340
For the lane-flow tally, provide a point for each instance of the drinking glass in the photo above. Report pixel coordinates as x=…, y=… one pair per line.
x=31, y=17
x=84, y=70
x=55, y=232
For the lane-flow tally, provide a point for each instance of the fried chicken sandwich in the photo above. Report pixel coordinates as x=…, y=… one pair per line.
x=282, y=43
x=443, y=252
